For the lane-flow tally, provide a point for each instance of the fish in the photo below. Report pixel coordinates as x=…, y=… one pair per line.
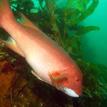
x=48, y=60
x=11, y=43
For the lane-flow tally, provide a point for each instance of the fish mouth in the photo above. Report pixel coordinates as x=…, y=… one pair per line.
x=70, y=92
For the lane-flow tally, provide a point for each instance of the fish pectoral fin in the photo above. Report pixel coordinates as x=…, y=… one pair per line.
x=57, y=78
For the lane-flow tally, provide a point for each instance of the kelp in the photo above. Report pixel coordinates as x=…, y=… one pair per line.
x=63, y=22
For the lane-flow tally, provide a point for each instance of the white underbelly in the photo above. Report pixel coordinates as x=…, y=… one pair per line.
x=43, y=64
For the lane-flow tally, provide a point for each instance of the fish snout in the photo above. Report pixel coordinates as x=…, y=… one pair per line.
x=73, y=89
x=73, y=85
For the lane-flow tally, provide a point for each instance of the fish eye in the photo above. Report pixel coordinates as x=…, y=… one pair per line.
x=77, y=79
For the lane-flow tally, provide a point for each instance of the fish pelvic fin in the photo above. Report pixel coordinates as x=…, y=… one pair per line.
x=35, y=74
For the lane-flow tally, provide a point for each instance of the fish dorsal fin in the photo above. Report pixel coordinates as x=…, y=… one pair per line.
x=26, y=22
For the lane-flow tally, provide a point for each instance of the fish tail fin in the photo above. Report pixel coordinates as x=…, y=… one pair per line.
x=5, y=11
x=11, y=44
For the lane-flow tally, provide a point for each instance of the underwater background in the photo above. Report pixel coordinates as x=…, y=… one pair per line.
x=79, y=26
x=95, y=41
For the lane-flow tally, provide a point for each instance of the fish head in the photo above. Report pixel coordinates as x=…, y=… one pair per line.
x=72, y=86
x=68, y=81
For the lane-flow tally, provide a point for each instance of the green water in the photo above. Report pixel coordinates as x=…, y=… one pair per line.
x=94, y=43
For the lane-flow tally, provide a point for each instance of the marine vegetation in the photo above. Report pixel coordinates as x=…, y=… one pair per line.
x=63, y=22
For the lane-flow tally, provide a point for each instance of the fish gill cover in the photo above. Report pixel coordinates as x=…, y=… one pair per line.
x=62, y=21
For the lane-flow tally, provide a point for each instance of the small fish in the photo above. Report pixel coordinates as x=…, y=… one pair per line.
x=48, y=60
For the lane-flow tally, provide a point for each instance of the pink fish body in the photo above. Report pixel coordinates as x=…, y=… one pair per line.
x=49, y=61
